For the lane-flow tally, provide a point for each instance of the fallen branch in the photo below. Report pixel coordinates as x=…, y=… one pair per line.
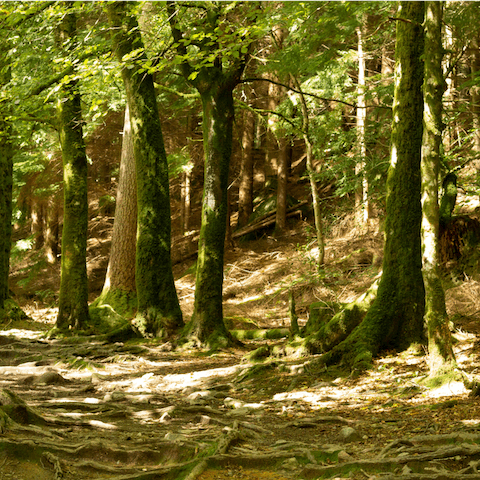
x=267, y=220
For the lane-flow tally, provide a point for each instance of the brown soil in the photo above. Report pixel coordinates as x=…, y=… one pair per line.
x=85, y=409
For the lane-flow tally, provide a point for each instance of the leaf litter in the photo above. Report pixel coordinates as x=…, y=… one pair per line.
x=143, y=410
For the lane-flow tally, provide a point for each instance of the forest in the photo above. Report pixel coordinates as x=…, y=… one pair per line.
x=239, y=240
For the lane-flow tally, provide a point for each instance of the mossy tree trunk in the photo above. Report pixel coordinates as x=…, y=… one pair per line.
x=6, y=182
x=440, y=350
x=73, y=298
x=6, y=174
x=215, y=83
x=158, y=309
x=119, y=290
x=218, y=112
x=395, y=319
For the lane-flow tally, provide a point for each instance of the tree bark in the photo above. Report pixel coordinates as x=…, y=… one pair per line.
x=52, y=229
x=6, y=183
x=119, y=289
x=395, y=319
x=218, y=112
x=475, y=103
x=215, y=84
x=361, y=192
x=312, y=179
x=440, y=351
x=73, y=297
x=245, y=194
x=282, y=184
x=158, y=312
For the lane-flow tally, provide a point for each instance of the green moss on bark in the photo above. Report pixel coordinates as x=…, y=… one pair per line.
x=207, y=325
x=6, y=180
x=395, y=319
x=73, y=298
x=158, y=311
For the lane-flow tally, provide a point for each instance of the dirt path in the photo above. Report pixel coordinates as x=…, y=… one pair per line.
x=135, y=411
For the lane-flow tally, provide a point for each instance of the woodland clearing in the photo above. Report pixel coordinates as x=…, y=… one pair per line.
x=86, y=409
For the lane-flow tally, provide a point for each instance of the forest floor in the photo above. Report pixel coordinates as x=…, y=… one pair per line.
x=85, y=409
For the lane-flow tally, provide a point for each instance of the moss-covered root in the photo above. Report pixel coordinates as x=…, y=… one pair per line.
x=12, y=312
x=5, y=422
x=341, y=324
x=214, y=340
x=13, y=407
x=123, y=302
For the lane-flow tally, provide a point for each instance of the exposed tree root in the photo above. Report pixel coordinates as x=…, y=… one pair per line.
x=329, y=334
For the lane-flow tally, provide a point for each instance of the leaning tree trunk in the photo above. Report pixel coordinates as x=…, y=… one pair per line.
x=158, y=310
x=395, y=319
x=73, y=298
x=207, y=323
x=119, y=290
x=440, y=352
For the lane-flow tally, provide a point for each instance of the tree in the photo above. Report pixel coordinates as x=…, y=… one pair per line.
x=361, y=193
x=245, y=190
x=395, y=319
x=158, y=310
x=12, y=19
x=440, y=350
x=6, y=181
x=213, y=65
x=119, y=290
x=73, y=298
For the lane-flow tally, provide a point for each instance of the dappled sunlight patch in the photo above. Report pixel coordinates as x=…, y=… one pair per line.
x=450, y=389
x=100, y=424
x=194, y=379
x=22, y=333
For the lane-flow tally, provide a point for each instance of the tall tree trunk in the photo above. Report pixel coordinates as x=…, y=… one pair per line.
x=245, y=194
x=6, y=182
x=395, y=319
x=312, y=177
x=6, y=176
x=52, y=229
x=73, y=298
x=277, y=155
x=119, y=289
x=215, y=84
x=475, y=104
x=158, y=311
x=440, y=352
x=361, y=192
x=218, y=112
x=282, y=184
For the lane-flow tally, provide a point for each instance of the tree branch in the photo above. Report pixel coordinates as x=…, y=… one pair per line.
x=58, y=76
x=261, y=79
x=43, y=6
